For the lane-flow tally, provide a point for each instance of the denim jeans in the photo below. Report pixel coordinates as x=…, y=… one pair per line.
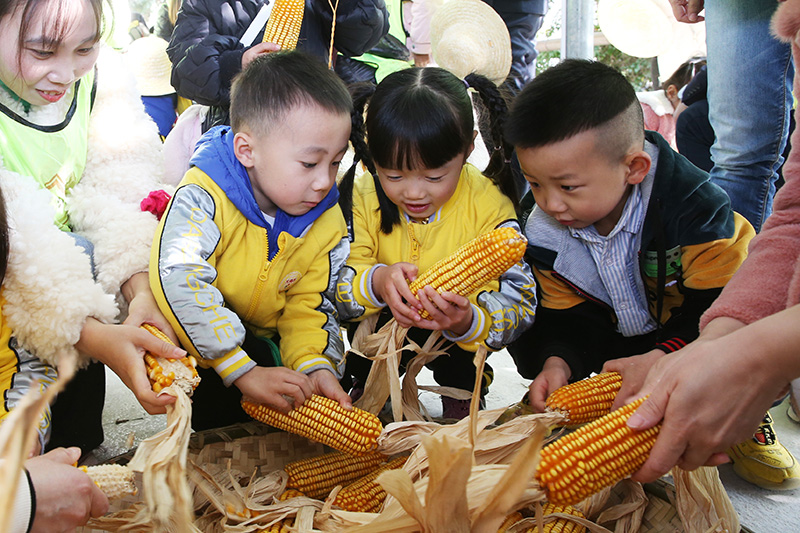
x=750, y=97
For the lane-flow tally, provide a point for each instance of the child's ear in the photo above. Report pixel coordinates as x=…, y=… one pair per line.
x=638, y=166
x=671, y=91
x=243, y=149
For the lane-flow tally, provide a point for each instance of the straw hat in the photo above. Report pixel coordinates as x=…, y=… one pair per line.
x=647, y=28
x=469, y=36
x=147, y=58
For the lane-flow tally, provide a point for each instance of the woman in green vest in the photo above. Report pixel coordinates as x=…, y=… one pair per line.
x=78, y=154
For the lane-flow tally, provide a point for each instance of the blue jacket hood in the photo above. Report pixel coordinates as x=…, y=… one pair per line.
x=214, y=156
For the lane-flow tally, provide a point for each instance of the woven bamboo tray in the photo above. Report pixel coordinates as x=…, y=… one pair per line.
x=252, y=445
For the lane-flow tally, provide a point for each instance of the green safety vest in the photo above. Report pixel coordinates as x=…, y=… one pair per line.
x=55, y=155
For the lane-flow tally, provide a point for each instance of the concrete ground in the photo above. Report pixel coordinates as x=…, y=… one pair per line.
x=762, y=511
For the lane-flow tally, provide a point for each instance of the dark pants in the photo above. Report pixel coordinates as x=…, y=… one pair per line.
x=77, y=413
x=455, y=369
x=213, y=404
x=523, y=20
x=694, y=135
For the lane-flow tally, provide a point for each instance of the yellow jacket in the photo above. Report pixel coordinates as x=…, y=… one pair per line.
x=213, y=273
x=502, y=309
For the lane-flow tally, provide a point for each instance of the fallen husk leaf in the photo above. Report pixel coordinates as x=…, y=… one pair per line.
x=161, y=459
x=493, y=445
x=458, y=496
x=226, y=495
x=628, y=514
x=383, y=349
x=701, y=501
x=18, y=433
x=592, y=506
x=412, y=408
x=526, y=524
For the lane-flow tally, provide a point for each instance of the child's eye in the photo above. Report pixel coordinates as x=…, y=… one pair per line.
x=336, y=163
x=533, y=184
x=86, y=51
x=568, y=188
x=434, y=178
x=309, y=165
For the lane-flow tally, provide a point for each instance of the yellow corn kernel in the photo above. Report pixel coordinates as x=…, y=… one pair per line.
x=476, y=263
x=285, y=20
x=116, y=481
x=367, y=495
x=510, y=520
x=289, y=493
x=586, y=400
x=594, y=456
x=560, y=525
x=164, y=372
x=281, y=526
x=323, y=420
x=317, y=476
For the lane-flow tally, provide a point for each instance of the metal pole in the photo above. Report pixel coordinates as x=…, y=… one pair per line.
x=578, y=29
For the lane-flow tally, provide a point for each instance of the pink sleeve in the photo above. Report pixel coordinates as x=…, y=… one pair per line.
x=417, y=20
x=767, y=282
x=761, y=285
x=650, y=118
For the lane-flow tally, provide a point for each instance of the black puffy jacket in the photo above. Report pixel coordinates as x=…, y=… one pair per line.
x=206, y=53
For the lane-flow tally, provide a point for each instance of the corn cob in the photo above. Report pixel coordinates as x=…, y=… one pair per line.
x=594, y=456
x=366, y=495
x=511, y=519
x=283, y=26
x=475, y=264
x=317, y=476
x=288, y=494
x=560, y=525
x=323, y=420
x=164, y=372
x=116, y=481
x=586, y=400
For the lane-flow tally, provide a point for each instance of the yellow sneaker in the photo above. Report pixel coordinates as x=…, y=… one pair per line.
x=764, y=461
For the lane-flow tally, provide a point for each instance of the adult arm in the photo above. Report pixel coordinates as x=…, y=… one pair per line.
x=205, y=50
x=713, y=393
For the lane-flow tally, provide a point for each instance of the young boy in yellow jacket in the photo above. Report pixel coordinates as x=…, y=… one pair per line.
x=245, y=259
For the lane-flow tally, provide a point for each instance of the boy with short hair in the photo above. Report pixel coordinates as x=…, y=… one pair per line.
x=245, y=259
x=629, y=242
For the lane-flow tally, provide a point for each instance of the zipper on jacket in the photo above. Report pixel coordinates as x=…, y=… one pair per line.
x=415, y=246
x=262, y=279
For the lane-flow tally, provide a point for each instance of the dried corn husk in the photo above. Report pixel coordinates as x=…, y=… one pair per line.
x=457, y=495
x=702, y=503
x=383, y=349
x=430, y=350
x=628, y=514
x=161, y=459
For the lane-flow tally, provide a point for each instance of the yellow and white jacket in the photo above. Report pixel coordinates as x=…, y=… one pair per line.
x=502, y=310
x=218, y=267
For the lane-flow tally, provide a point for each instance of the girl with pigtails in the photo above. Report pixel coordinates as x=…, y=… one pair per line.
x=419, y=201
